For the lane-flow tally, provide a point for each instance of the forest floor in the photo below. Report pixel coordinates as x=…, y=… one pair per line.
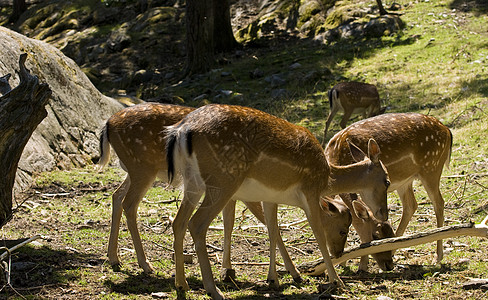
x=436, y=65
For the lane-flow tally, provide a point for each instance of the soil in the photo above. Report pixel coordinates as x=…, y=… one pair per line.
x=69, y=261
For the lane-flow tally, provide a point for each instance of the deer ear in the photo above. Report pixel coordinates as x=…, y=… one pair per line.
x=356, y=153
x=373, y=151
x=361, y=210
x=328, y=207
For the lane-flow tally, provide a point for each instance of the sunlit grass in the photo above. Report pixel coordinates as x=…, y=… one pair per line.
x=436, y=66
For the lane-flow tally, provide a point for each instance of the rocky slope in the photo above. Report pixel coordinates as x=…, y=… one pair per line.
x=131, y=50
x=127, y=48
x=76, y=111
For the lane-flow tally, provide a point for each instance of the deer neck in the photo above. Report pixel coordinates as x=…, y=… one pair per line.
x=346, y=179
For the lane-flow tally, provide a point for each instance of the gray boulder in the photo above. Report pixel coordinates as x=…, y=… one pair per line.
x=68, y=136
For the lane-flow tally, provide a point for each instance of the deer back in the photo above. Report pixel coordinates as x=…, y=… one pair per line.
x=356, y=96
x=137, y=136
x=411, y=143
x=242, y=142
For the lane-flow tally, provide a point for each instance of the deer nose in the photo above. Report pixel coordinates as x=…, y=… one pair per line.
x=389, y=266
x=336, y=253
x=382, y=214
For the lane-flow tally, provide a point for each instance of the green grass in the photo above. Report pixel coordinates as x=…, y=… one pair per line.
x=428, y=68
x=75, y=176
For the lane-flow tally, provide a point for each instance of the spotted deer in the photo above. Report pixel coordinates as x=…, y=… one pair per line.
x=135, y=135
x=369, y=228
x=415, y=146
x=352, y=97
x=138, y=138
x=335, y=212
x=232, y=152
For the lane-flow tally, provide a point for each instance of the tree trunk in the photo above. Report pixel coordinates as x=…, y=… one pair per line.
x=381, y=8
x=199, y=35
x=21, y=110
x=18, y=8
x=224, y=39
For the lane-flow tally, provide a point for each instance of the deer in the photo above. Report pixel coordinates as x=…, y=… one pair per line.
x=352, y=97
x=137, y=136
x=415, y=146
x=336, y=213
x=134, y=134
x=227, y=152
x=369, y=228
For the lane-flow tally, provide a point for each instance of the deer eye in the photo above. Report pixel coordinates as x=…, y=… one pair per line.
x=387, y=183
x=342, y=233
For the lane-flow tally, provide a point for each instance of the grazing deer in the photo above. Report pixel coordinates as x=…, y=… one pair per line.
x=137, y=136
x=369, y=228
x=336, y=213
x=352, y=97
x=232, y=152
x=414, y=146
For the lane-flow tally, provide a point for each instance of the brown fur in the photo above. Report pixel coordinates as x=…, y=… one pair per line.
x=414, y=146
x=352, y=97
x=237, y=150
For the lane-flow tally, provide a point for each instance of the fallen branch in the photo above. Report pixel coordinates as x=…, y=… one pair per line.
x=245, y=263
x=317, y=267
x=169, y=201
x=260, y=226
x=466, y=175
x=10, y=250
x=50, y=195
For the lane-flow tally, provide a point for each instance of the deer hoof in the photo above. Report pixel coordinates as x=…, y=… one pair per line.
x=228, y=275
x=273, y=284
x=117, y=266
x=148, y=269
x=298, y=279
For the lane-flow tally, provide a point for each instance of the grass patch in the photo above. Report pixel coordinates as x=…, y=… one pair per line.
x=436, y=66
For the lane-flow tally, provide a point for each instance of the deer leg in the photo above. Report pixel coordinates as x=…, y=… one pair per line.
x=409, y=206
x=257, y=209
x=333, y=111
x=314, y=215
x=117, y=198
x=228, y=214
x=431, y=185
x=358, y=223
x=180, y=224
x=137, y=190
x=271, y=216
x=345, y=118
x=211, y=206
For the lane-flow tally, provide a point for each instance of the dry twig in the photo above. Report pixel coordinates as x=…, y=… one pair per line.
x=318, y=267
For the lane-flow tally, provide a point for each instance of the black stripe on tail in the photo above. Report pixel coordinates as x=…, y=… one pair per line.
x=330, y=97
x=189, y=145
x=101, y=140
x=170, y=150
x=171, y=140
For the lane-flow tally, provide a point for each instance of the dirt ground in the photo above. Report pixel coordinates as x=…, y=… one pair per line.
x=70, y=262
